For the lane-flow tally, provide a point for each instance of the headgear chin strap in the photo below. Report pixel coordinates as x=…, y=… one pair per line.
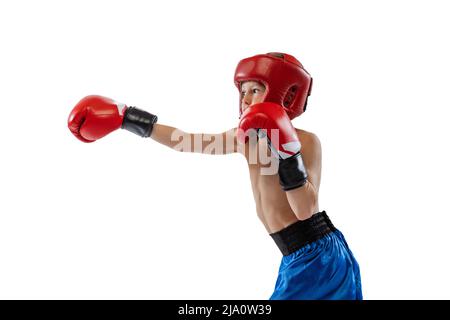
x=287, y=82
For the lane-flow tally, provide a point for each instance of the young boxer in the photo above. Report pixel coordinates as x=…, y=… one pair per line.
x=273, y=89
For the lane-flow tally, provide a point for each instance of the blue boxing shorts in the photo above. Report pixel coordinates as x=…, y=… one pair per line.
x=317, y=263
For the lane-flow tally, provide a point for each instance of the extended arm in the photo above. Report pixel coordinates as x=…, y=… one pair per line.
x=95, y=116
x=214, y=144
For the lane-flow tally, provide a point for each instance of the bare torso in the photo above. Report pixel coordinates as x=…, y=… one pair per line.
x=272, y=205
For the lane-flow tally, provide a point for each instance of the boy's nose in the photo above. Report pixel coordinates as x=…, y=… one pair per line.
x=247, y=99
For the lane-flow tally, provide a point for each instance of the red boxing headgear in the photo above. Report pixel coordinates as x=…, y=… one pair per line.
x=287, y=82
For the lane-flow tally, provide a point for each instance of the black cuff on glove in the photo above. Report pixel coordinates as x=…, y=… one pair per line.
x=139, y=121
x=292, y=172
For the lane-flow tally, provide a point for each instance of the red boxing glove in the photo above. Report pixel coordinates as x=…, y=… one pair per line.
x=95, y=116
x=272, y=120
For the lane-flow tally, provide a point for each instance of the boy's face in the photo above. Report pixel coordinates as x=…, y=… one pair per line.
x=252, y=92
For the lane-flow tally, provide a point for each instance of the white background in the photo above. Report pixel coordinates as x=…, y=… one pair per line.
x=127, y=218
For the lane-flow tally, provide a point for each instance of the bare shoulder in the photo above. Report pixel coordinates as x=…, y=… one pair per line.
x=311, y=151
x=308, y=139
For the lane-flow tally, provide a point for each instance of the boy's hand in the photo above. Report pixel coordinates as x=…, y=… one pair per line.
x=95, y=116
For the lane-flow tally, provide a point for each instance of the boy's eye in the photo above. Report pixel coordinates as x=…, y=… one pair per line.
x=255, y=90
